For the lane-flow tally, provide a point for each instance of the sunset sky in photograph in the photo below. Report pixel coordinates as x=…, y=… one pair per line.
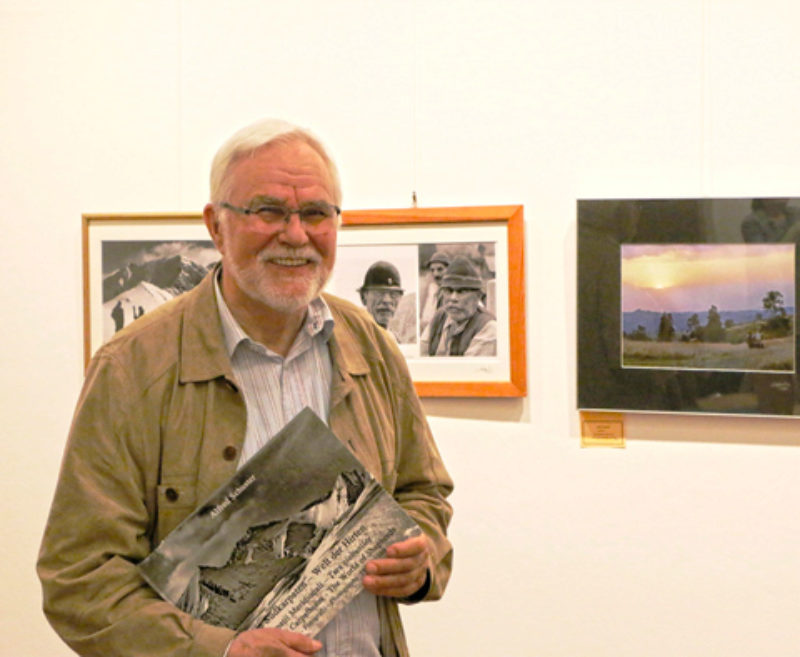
x=692, y=277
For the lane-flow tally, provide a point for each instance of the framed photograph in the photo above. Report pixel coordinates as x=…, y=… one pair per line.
x=688, y=305
x=457, y=278
x=134, y=263
x=448, y=283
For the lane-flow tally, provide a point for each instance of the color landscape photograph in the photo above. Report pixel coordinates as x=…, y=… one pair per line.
x=708, y=306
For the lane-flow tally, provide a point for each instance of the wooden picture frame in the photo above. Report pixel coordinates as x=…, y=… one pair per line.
x=125, y=244
x=120, y=252
x=461, y=229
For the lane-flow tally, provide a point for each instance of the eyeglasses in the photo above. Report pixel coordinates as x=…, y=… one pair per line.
x=311, y=214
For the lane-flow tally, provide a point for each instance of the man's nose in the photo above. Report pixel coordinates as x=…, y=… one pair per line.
x=294, y=230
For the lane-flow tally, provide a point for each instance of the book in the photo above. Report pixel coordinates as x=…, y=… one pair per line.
x=284, y=542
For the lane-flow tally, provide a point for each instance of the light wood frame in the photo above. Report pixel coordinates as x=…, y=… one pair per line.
x=452, y=222
x=452, y=219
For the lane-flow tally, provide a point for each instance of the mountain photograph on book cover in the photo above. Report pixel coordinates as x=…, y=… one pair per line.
x=285, y=541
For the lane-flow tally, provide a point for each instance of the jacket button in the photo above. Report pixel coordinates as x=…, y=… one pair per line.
x=171, y=494
x=229, y=453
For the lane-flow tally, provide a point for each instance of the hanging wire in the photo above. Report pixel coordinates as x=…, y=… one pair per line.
x=414, y=90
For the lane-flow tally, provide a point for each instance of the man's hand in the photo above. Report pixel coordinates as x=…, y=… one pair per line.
x=271, y=642
x=403, y=571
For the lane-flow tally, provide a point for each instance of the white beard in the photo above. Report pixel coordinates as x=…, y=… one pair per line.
x=253, y=280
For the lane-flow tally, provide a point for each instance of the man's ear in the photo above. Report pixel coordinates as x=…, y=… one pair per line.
x=213, y=224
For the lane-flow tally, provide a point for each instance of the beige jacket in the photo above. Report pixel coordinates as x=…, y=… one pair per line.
x=159, y=426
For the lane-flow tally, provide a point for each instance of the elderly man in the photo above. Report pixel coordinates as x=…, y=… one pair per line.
x=462, y=327
x=175, y=401
x=381, y=291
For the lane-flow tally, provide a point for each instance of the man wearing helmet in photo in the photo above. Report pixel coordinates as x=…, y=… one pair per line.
x=381, y=292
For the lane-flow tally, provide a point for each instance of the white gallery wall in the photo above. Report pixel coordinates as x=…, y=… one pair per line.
x=685, y=543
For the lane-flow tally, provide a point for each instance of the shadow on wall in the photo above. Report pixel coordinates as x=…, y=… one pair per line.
x=713, y=429
x=498, y=409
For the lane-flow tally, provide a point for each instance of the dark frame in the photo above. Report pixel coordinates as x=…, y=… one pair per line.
x=604, y=225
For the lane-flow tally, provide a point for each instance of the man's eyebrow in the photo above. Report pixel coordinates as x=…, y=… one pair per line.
x=262, y=199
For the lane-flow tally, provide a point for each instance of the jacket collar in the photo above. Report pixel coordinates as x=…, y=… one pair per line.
x=203, y=355
x=346, y=353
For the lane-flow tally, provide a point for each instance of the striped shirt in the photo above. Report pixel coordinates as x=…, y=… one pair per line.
x=275, y=389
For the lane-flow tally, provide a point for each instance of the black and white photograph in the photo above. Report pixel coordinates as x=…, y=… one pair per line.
x=284, y=543
x=134, y=263
x=383, y=279
x=458, y=296
x=139, y=276
x=394, y=270
x=471, y=343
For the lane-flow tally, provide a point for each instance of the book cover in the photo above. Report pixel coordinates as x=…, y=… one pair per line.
x=284, y=542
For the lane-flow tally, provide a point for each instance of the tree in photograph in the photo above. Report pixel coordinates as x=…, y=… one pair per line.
x=640, y=334
x=695, y=330
x=780, y=324
x=773, y=303
x=666, y=328
x=713, y=331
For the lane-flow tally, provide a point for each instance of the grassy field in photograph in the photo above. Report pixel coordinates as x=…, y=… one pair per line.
x=777, y=355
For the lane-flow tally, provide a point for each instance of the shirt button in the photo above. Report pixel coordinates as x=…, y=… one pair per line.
x=229, y=453
x=171, y=494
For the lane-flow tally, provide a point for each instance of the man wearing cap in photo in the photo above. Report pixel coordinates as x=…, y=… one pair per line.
x=462, y=327
x=381, y=291
x=431, y=299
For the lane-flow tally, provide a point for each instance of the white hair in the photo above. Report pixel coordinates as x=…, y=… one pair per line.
x=265, y=131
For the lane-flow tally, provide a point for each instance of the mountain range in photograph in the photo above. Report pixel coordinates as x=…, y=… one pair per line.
x=137, y=287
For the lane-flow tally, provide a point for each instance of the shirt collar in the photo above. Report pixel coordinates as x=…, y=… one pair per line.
x=318, y=321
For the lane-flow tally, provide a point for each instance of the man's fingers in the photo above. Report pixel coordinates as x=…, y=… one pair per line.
x=271, y=642
x=409, y=547
x=402, y=572
x=391, y=566
x=396, y=586
x=404, y=556
x=302, y=643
